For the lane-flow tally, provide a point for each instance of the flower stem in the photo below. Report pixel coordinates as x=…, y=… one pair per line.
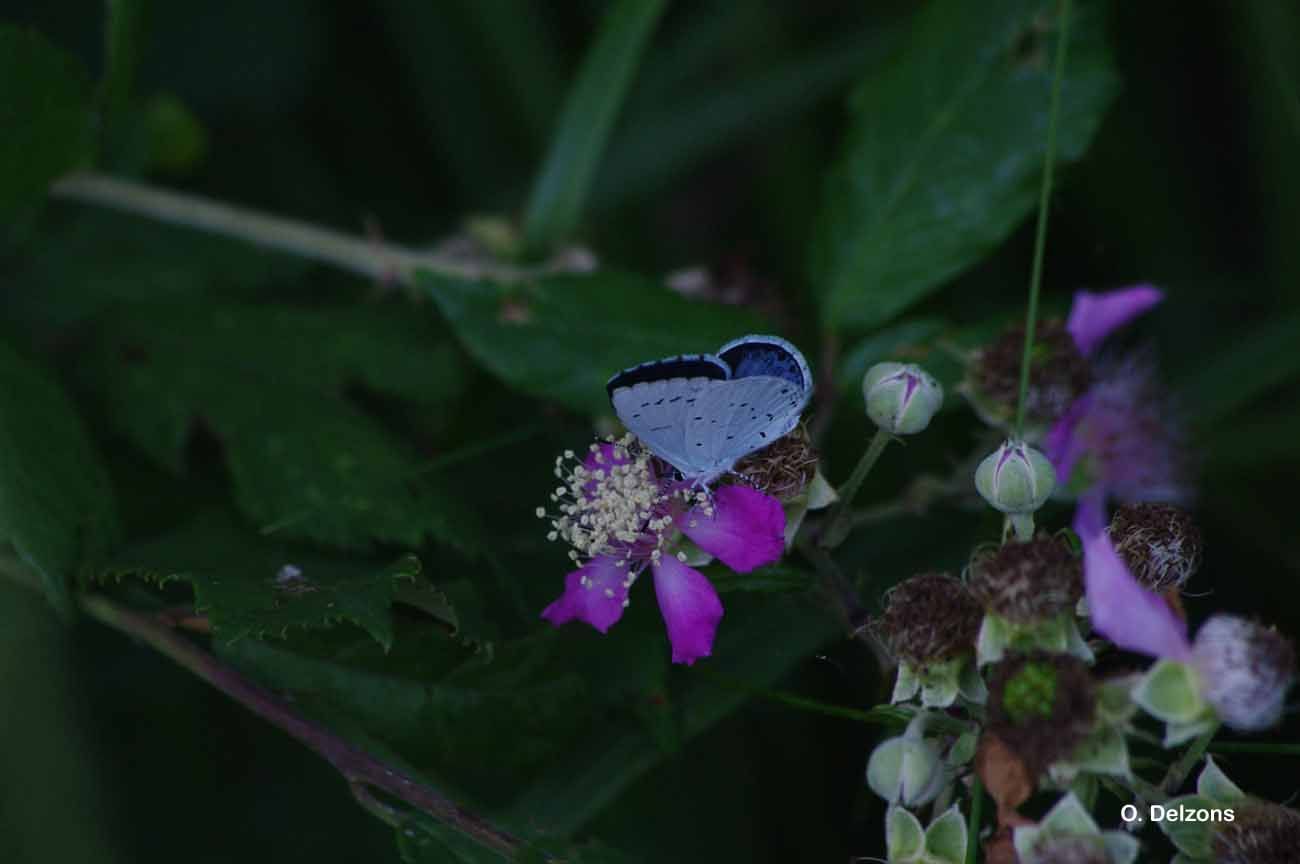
x=1040, y=237
x=976, y=816
x=363, y=772
x=370, y=258
x=842, y=522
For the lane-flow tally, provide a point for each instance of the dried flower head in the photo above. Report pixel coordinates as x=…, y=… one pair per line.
x=929, y=618
x=1159, y=543
x=782, y=469
x=1027, y=582
x=1058, y=374
x=1246, y=669
x=1041, y=706
x=1260, y=833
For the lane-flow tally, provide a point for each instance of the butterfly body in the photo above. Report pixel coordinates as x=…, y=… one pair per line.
x=702, y=413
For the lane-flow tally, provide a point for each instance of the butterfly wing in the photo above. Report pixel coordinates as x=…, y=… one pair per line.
x=732, y=419
x=751, y=356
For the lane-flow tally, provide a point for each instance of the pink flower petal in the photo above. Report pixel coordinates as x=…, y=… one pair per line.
x=595, y=594
x=746, y=530
x=1127, y=614
x=690, y=607
x=1093, y=317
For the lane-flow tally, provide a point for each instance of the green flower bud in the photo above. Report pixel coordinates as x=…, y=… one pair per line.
x=1015, y=478
x=901, y=397
x=907, y=770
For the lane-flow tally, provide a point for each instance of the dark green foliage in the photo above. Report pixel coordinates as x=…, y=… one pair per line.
x=56, y=507
x=945, y=150
x=338, y=477
x=251, y=587
x=568, y=333
x=46, y=117
x=270, y=383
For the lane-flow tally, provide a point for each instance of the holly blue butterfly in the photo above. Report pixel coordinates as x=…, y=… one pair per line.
x=702, y=413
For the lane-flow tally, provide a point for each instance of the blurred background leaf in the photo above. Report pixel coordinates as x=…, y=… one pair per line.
x=56, y=506
x=945, y=150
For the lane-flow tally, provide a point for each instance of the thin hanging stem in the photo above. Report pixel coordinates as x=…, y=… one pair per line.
x=1040, y=238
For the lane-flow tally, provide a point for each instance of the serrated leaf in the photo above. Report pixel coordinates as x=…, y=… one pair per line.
x=272, y=384
x=46, y=117
x=56, y=504
x=946, y=148
x=249, y=586
x=561, y=337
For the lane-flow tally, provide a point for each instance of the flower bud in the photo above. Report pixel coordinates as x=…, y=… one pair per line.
x=906, y=770
x=1015, y=478
x=1159, y=543
x=1245, y=670
x=901, y=397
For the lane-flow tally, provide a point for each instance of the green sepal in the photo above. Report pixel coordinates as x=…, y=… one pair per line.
x=1215, y=785
x=904, y=836
x=946, y=839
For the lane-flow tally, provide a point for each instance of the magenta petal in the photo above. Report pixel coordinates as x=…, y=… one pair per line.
x=1093, y=317
x=746, y=530
x=1123, y=611
x=1062, y=445
x=690, y=607
x=594, y=594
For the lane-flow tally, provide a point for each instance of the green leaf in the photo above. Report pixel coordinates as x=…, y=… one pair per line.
x=589, y=111
x=56, y=504
x=561, y=337
x=272, y=384
x=701, y=121
x=946, y=147
x=46, y=118
x=249, y=586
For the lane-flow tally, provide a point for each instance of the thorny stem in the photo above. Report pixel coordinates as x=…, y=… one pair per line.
x=366, y=257
x=360, y=769
x=1040, y=237
x=842, y=521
